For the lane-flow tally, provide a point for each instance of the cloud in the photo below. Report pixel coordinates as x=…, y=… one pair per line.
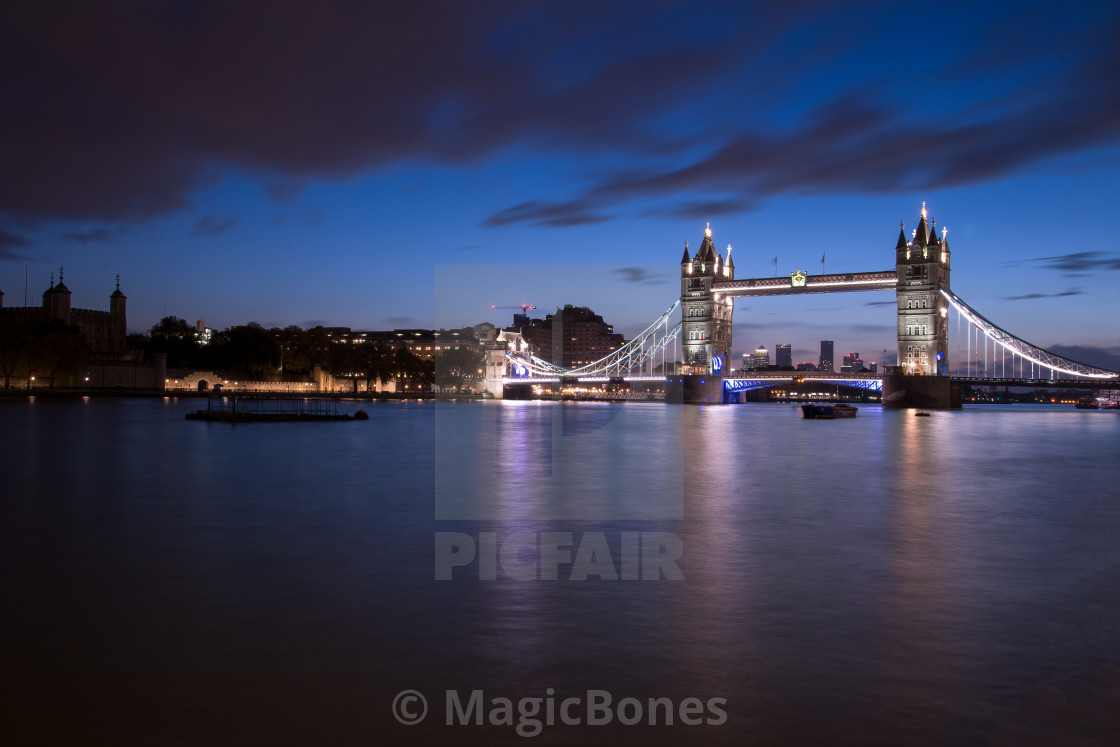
x=93, y=235
x=1080, y=262
x=549, y=214
x=209, y=225
x=1032, y=296
x=10, y=241
x=1100, y=357
x=641, y=275
x=284, y=190
x=881, y=303
x=706, y=108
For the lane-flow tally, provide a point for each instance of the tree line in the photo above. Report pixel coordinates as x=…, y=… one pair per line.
x=57, y=352
x=292, y=352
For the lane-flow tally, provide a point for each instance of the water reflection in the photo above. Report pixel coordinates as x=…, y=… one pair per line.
x=885, y=579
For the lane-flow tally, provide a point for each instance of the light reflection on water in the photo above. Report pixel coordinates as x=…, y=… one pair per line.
x=887, y=579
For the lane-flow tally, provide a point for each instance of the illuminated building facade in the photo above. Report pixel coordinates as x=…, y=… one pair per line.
x=852, y=363
x=783, y=356
x=923, y=323
x=706, y=315
x=825, y=363
x=759, y=360
x=573, y=336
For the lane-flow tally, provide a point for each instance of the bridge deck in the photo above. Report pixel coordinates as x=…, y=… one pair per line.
x=783, y=286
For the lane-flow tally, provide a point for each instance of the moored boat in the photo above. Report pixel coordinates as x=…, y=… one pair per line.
x=828, y=412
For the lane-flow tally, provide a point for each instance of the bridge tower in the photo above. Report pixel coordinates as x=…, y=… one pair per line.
x=923, y=314
x=706, y=316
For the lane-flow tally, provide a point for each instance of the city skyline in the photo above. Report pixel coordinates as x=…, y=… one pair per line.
x=424, y=164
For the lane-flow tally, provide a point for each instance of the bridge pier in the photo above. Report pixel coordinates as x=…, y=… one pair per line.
x=695, y=389
x=928, y=392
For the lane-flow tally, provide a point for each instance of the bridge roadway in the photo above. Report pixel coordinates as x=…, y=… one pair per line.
x=782, y=286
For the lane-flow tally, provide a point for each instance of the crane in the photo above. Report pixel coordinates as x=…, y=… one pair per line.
x=524, y=307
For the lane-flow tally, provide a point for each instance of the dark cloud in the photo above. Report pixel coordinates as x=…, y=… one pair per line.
x=283, y=190
x=93, y=235
x=209, y=225
x=121, y=110
x=881, y=303
x=1032, y=296
x=549, y=214
x=1080, y=262
x=9, y=242
x=641, y=275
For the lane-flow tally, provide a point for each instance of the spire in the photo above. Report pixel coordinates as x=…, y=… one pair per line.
x=730, y=262
x=686, y=259
x=117, y=293
x=901, y=236
x=921, y=236
x=708, y=230
x=933, y=233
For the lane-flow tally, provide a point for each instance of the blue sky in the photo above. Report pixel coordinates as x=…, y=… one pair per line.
x=335, y=163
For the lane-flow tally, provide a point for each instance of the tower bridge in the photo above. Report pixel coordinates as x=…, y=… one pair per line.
x=920, y=280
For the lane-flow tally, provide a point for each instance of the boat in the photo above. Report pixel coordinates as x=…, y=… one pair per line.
x=1088, y=403
x=921, y=414
x=258, y=409
x=828, y=412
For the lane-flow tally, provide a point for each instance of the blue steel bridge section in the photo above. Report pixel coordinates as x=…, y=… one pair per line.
x=749, y=384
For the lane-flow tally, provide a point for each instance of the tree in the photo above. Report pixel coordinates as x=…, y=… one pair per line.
x=255, y=350
x=345, y=362
x=376, y=362
x=453, y=367
x=411, y=370
x=174, y=337
x=251, y=349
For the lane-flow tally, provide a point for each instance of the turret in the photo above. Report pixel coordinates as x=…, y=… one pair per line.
x=117, y=300
x=120, y=320
x=56, y=299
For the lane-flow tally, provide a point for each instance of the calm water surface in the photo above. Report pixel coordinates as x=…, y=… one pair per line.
x=885, y=580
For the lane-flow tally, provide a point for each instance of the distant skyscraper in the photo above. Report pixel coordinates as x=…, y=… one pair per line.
x=783, y=356
x=759, y=359
x=852, y=363
x=826, y=356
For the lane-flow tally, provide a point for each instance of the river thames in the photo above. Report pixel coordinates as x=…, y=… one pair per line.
x=571, y=573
